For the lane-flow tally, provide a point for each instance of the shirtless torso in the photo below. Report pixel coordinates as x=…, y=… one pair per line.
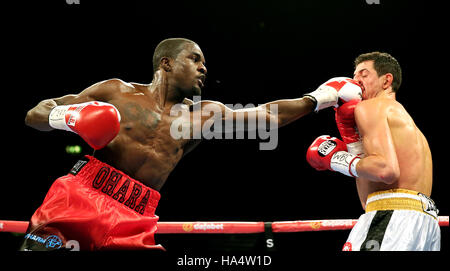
x=144, y=148
x=397, y=154
x=381, y=115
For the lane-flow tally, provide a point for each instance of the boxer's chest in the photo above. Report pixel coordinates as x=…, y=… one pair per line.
x=143, y=121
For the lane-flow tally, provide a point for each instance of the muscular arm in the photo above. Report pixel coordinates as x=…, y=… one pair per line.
x=381, y=163
x=279, y=113
x=290, y=110
x=37, y=117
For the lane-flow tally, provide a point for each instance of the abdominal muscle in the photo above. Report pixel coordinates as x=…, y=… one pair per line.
x=148, y=163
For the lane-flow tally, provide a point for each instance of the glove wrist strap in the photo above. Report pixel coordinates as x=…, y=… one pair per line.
x=57, y=117
x=345, y=163
x=356, y=148
x=324, y=96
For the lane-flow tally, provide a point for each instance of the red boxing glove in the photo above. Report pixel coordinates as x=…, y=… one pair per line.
x=331, y=153
x=96, y=122
x=345, y=120
x=346, y=123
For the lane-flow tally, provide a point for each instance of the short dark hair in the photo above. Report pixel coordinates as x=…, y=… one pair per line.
x=383, y=63
x=168, y=48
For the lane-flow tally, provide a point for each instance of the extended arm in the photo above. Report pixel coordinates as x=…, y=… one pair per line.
x=288, y=110
x=274, y=114
x=281, y=112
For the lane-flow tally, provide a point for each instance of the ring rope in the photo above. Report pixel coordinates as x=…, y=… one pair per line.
x=232, y=227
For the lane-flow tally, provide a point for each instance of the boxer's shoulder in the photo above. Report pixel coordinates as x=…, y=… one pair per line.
x=370, y=113
x=109, y=89
x=377, y=107
x=367, y=108
x=374, y=112
x=118, y=85
x=398, y=116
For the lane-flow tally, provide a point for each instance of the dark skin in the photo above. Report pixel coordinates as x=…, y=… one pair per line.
x=144, y=148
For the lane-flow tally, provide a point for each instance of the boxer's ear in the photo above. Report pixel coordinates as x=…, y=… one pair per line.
x=387, y=80
x=166, y=64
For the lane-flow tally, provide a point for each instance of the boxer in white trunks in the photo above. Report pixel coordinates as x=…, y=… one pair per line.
x=393, y=166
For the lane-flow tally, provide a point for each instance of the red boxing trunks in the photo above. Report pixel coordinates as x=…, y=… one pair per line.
x=94, y=207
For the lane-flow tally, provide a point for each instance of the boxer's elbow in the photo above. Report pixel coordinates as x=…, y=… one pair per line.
x=37, y=117
x=30, y=118
x=377, y=169
x=388, y=174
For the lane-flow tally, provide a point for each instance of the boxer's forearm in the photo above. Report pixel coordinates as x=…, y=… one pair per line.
x=289, y=110
x=37, y=117
x=276, y=114
x=376, y=169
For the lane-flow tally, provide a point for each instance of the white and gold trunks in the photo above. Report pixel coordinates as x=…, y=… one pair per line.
x=396, y=220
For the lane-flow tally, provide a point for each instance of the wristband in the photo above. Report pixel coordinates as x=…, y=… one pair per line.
x=324, y=96
x=345, y=163
x=356, y=148
x=57, y=117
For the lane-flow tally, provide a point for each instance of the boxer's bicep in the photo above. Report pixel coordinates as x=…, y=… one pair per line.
x=375, y=132
x=369, y=128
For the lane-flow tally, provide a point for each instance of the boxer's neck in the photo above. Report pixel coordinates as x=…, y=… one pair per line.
x=165, y=95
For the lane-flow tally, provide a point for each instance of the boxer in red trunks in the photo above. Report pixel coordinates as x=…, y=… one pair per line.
x=102, y=205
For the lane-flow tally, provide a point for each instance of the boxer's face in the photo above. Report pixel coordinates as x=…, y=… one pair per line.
x=189, y=71
x=366, y=75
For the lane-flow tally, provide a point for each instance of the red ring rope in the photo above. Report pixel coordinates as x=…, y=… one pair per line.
x=231, y=227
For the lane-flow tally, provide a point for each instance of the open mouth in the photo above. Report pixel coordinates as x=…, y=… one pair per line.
x=201, y=80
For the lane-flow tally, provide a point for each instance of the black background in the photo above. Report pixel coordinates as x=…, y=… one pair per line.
x=256, y=52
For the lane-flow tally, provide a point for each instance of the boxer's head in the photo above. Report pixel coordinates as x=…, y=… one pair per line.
x=377, y=72
x=183, y=63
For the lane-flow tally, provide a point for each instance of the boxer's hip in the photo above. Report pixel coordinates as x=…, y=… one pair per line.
x=396, y=219
x=116, y=185
x=99, y=207
x=401, y=199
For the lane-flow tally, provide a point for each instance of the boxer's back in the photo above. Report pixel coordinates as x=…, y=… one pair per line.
x=413, y=152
